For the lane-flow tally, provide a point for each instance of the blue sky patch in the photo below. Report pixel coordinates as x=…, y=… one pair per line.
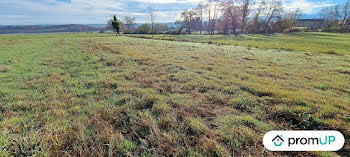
x=33, y=12
x=66, y=1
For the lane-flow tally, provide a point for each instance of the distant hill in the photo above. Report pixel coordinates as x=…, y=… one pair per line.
x=15, y=29
x=97, y=25
x=170, y=24
x=48, y=28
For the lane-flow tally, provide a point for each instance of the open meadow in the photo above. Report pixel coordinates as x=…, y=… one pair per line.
x=319, y=42
x=105, y=95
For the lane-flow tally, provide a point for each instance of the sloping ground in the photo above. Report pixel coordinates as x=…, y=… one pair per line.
x=310, y=42
x=48, y=29
x=101, y=95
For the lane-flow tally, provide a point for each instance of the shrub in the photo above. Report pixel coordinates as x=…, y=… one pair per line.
x=144, y=29
x=331, y=52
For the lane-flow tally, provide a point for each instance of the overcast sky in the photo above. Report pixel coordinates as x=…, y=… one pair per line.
x=30, y=12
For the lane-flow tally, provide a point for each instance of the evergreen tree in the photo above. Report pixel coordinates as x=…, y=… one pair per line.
x=116, y=25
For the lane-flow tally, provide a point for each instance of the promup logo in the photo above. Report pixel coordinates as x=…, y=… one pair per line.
x=304, y=140
x=278, y=141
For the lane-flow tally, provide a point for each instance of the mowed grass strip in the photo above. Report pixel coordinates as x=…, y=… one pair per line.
x=315, y=42
x=101, y=95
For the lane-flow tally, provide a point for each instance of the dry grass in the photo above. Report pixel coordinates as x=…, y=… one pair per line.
x=311, y=42
x=101, y=95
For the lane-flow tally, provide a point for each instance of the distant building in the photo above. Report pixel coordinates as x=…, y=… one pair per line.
x=311, y=23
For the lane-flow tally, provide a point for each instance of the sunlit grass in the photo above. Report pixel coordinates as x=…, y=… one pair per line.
x=328, y=43
x=101, y=95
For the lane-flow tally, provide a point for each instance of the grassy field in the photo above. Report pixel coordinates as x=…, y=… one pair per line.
x=102, y=95
x=329, y=43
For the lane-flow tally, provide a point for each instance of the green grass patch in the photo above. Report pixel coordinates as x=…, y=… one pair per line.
x=328, y=43
x=102, y=95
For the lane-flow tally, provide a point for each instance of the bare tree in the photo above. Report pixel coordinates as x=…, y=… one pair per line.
x=213, y=6
x=274, y=11
x=346, y=12
x=129, y=23
x=200, y=10
x=331, y=15
x=152, y=17
x=209, y=11
x=336, y=12
x=288, y=21
x=246, y=7
x=230, y=16
x=188, y=20
x=325, y=14
x=256, y=24
x=215, y=16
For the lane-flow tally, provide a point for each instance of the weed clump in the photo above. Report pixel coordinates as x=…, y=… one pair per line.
x=197, y=126
x=330, y=52
x=242, y=103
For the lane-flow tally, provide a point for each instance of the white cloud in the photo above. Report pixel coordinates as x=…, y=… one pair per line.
x=306, y=6
x=98, y=11
x=168, y=1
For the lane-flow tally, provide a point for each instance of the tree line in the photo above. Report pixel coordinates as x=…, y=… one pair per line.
x=336, y=18
x=239, y=17
x=128, y=26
